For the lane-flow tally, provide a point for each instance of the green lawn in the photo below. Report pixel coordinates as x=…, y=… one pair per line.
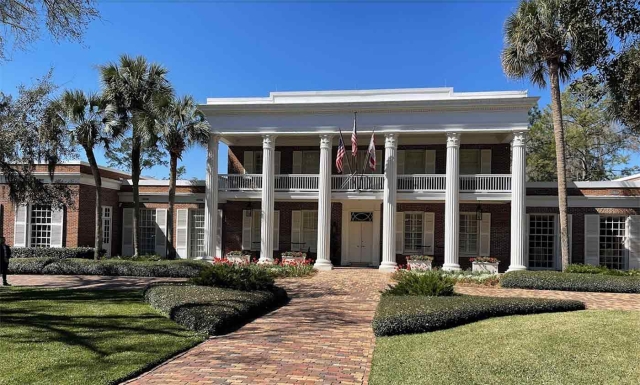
x=585, y=347
x=82, y=337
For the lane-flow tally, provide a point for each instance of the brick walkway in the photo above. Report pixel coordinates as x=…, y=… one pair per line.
x=322, y=336
x=84, y=281
x=611, y=301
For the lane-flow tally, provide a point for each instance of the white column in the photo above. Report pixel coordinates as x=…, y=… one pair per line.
x=452, y=204
x=518, y=196
x=211, y=196
x=389, y=203
x=323, y=260
x=268, y=180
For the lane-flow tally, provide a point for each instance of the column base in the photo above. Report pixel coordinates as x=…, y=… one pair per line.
x=323, y=265
x=388, y=267
x=451, y=267
x=516, y=268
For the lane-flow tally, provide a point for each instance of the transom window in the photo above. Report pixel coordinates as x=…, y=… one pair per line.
x=362, y=217
x=40, y=226
x=147, y=225
x=413, y=232
x=468, y=233
x=542, y=235
x=310, y=229
x=612, y=242
x=470, y=162
x=196, y=233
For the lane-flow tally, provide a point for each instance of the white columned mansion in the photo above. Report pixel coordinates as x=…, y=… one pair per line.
x=449, y=165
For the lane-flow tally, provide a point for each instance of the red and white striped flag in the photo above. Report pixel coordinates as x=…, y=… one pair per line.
x=340, y=156
x=372, y=154
x=354, y=138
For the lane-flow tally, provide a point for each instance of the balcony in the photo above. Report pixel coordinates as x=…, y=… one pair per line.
x=480, y=183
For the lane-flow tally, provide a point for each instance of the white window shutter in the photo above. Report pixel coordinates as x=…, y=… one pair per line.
x=379, y=162
x=248, y=162
x=276, y=163
x=182, y=233
x=399, y=233
x=296, y=230
x=246, y=229
x=485, y=235
x=633, y=241
x=428, y=225
x=400, y=162
x=219, y=235
x=297, y=162
x=161, y=232
x=127, y=232
x=20, y=226
x=276, y=230
x=485, y=161
x=592, y=239
x=430, y=162
x=57, y=227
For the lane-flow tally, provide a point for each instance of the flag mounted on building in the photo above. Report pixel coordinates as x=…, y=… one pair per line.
x=354, y=138
x=371, y=153
x=340, y=156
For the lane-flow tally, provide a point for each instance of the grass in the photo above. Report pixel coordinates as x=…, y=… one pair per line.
x=82, y=337
x=585, y=347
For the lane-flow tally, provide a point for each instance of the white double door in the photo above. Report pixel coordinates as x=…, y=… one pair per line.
x=360, y=237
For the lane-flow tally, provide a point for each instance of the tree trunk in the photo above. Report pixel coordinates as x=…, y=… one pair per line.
x=173, y=166
x=135, y=177
x=98, y=182
x=558, y=132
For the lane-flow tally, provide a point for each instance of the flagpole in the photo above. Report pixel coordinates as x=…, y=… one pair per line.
x=346, y=181
x=345, y=150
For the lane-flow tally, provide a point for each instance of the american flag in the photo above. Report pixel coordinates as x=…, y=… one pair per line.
x=340, y=156
x=372, y=154
x=354, y=138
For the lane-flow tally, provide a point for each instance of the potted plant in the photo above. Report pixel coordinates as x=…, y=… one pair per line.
x=238, y=256
x=419, y=262
x=485, y=264
x=293, y=256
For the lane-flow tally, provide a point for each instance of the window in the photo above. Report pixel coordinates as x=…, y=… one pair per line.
x=40, y=226
x=362, y=217
x=542, y=235
x=147, y=231
x=470, y=162
x=413, y=232
x=255, y=229
x=468, y=233
x=414, y=162
x=257, y=162
x=310, y=230
x=310, y=162
x=196, y=233
x=612, y=242
x=106, y=225
x=362, y=162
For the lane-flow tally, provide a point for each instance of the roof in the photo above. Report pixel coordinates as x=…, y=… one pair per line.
x=634, y=177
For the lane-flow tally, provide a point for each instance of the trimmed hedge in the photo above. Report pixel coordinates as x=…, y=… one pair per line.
x=235, y=276
x=112, y=267
x=420, y=314
x=555, y=280
x=53, y=252
x=433, y=283
x=590, y=269
x=212, y=310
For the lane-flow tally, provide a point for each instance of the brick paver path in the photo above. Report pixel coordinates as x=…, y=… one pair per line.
x=322, y=336
x=613, y=301
x=84, y=281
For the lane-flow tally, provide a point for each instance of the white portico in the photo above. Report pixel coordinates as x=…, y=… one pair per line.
x=427, y=140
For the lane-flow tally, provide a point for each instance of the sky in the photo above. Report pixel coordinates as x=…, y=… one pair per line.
x=239, y=49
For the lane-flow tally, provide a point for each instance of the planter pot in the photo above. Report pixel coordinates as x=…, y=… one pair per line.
x=293, y=259
x=419, y=265
x=239, y=258
x=485, y=267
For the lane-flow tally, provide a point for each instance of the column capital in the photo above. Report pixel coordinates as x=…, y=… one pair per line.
x=391, y=140
x=214, y=137
x=268, y=141
x=326, y=140
x=453, y=139
x=519, y=138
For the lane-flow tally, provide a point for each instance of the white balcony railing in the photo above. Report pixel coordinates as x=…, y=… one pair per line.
x=296, y=182
x=373, y=182
x=485, y=183
x=239, y=182
x=422, y=182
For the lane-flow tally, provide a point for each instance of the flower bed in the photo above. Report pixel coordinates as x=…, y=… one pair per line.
x=293, y=256
x=419, y=262
x=555, y=280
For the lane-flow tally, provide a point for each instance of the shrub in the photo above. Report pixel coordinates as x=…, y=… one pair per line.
x=28, y=265
x=420, y=314
x=285, y=269
x=53, y=252
x=484, y=260
x=430, y=283
x=212, y=310
x=419, y=258
x=176, y=269
x=235, y=276
x=473, y=278
x=590, y=269
x=554, y=280
x=146, y=257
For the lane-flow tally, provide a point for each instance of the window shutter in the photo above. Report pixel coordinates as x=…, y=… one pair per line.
x=248, y=162
x=400, y=162
x=276, y=230
x=297, y=162
x=379, y=162
x=219, y=235
x=127, y=232
x=20, y=226
x=296, y=232
x=399, y=233
x=485, y=161
x=633, y=241
x=161, y=232
x=485, y=235
x=430, y=162
x=182, y=233
x=57, y=227
x=246, y=229
x=428, y=224
x=276, y=163
x=591, y=239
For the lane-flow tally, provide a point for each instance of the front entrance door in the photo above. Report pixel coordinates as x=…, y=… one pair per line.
x=360, y=237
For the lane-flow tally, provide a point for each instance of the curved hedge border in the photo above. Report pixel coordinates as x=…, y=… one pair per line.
x=420, y=314
x=111, y=267
x=212, y=310
x=555, y=280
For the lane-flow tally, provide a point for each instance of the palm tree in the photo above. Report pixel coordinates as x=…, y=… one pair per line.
x=538, y=46
x=134, y=88
x=181, y=125
x=84, y=118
